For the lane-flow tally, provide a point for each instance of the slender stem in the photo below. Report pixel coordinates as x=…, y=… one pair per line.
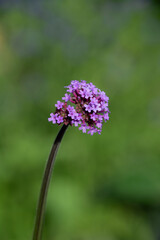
x=45, y=184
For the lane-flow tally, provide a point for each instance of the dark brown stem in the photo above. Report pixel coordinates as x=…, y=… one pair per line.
x=45, y=184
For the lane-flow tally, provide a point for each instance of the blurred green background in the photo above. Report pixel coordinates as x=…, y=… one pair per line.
x=103, y=187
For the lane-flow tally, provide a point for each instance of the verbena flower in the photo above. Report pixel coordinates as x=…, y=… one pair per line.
x=83, y=105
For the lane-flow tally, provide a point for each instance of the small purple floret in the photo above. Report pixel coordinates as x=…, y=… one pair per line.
x=59, y=105
x=89, y=111
x=59, y=119
x=83, y=127
x=67, y=97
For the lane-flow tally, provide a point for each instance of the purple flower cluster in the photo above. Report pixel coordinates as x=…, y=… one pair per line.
x=90, y=107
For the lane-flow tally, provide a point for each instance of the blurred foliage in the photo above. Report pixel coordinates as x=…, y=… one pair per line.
x=103, y=187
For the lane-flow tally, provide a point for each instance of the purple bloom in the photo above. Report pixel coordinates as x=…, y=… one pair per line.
x=76, y=123
x=99, y=131
x=59, y=119
x=75, y=84
x=93, y=116
x=88, y=108
x=70, y=88
x=70, y=108
x=99, y=124
x=83, y=127
x=59, y=105
x=106, y=116
x=91, y=107
x=52, y=118
x=105, y=106
x=92, y=130
x=67, y=97
x=97, y=108
x=94, y=101
x=88, y=93
x=79, y=116
x=82, y=93
x=100, y=117
x=103, y=96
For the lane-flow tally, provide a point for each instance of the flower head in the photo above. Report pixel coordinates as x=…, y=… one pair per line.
x=89, y=107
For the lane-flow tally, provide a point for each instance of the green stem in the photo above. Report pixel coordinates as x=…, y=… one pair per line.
x=45, y=184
